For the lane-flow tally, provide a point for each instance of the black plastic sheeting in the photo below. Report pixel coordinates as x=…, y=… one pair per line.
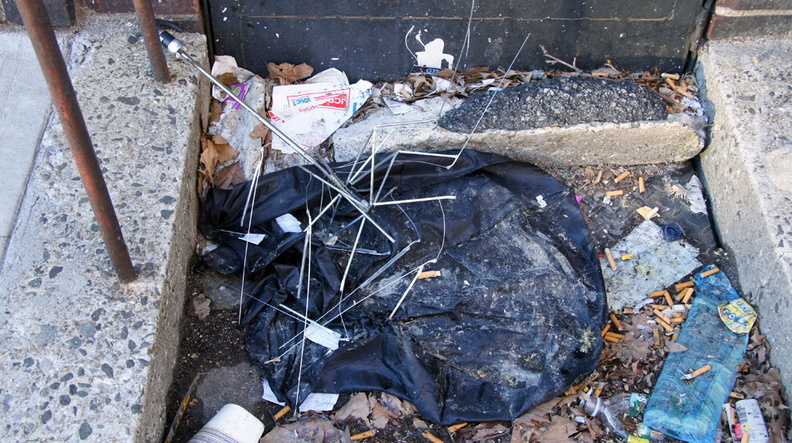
x=513, y=320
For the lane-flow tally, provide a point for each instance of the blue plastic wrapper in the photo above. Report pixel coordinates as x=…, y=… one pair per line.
x=690, y=410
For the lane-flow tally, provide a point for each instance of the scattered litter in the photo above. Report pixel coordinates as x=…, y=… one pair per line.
x=231, y=423
x=655, y=262
x=309, y=113
x=738, y=316
x=750, y=415
x=622, y=176
x=673, y=231
x=269, y=395
x=288, y=223
x=282, y=413
x=686, y=401
x=201, y=306
x=316, y=401
x=648, y=213
x=696, y=373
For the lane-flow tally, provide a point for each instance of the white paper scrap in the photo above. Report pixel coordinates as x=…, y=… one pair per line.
x=288, y=223
x=397, y=107
x=309, y=113
x=253, y=238
x=268, y=395
x=322, y=336
x=319, y=402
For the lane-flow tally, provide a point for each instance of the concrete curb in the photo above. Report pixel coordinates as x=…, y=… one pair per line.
x=673, y=140
x=84, y=356
x=747, y=169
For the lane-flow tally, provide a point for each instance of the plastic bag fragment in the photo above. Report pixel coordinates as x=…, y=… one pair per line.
x=690, y=409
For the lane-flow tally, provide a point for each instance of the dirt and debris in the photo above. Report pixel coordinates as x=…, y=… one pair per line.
x=631, y=359
x=562, y=101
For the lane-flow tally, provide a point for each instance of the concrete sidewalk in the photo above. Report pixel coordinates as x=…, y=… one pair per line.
x=87, y=358
x=83, y=356
x=24, y=111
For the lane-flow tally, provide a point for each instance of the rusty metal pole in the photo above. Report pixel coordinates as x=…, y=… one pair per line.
x=145, y=15
x=39, y=28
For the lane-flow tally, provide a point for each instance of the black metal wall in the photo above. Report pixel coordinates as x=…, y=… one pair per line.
x=367, y=39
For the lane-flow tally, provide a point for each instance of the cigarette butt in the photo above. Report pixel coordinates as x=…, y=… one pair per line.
x=622, y=176
x=697, y=372
x=626, y=257
x=661, y=316
x=628, y=311
x=278, y=415
x=598, y=391
x=710, y=272
x=612, y=339
x=688, y=294
x=668, y=298
x=657, y=293
x=428, y=274
x=665, y=325
x=678, y=315
x=614, y=335
x=456, y=427
x=681, y=286
x=614, y=193
x=641, y=186
x=647, y=213
x=656, y=334
x=669, y=75
x=674, y=337
x=616, y=321
x=736, y=395
x=746, y=437
x=606, y=329
x=611, y=262
x=660, y=307
x=429, y=436
x=676, y=320
x=362, y=435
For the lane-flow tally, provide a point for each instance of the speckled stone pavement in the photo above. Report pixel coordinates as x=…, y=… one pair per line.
x=84, y=357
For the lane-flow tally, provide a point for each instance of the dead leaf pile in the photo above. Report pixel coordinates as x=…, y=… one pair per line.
x=216, y=169
x=287, y=73
x=673, y=88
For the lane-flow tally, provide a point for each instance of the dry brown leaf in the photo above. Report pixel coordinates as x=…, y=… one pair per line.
x=227, y=78
x=310, y=428
x=380, y=415
x=357, y=408
x=260, y=131
x=393, y=403
x=225, y=153
x=673, y=346
x=208, y=158
x=219, y=139
x=488, y=431
x=559, y=430
x=229, y=176
x=287, y=73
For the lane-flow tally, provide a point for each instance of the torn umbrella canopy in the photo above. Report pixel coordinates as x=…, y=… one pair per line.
x=512, y=320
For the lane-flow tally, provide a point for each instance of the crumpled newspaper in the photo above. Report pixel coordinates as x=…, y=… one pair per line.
x=309, y=113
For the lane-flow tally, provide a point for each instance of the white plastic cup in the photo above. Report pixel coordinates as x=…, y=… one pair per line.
x=232, y=424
